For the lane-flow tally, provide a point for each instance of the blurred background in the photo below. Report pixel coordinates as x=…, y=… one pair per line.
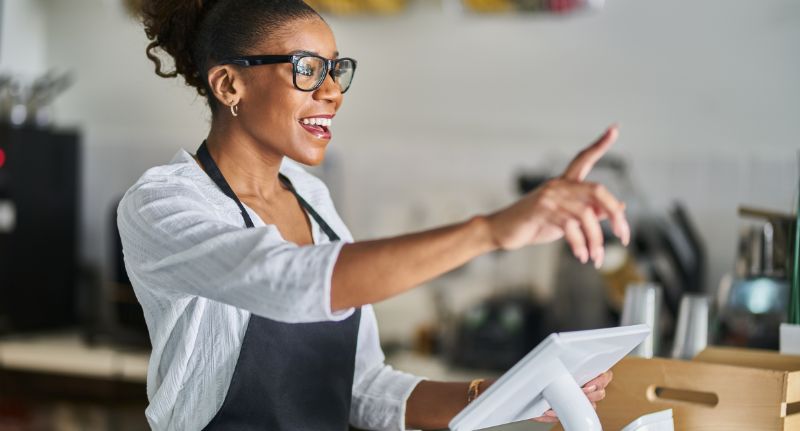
x=458, y=107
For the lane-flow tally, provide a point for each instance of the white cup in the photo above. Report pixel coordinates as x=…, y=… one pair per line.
x=643, y=306
x=691, y=335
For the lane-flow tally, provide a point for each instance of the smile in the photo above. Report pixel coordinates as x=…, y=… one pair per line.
x=319, y=126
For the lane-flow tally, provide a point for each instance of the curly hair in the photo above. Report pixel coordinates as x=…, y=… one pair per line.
x=198, y=33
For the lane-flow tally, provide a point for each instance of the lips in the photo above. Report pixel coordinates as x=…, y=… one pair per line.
x=318, y=125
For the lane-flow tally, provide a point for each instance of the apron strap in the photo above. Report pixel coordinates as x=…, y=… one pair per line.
x=213, y=171
x=320, y=221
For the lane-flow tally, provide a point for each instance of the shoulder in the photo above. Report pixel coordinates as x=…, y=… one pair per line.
x=180, y=181
x=181, y=169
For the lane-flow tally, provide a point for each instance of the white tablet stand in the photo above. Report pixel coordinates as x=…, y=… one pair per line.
x=551, y=376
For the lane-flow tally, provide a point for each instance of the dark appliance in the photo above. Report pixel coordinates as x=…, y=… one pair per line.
x=498, y=332
x=672, y=253
x=39, y=201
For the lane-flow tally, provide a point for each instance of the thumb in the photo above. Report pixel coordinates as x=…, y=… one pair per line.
x=583, y=163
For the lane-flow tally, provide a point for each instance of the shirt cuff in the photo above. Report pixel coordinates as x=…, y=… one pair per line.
x=331, y=315
x=380, y=402
x=412, y=382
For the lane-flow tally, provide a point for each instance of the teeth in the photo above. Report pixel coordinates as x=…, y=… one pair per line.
x=326, y=122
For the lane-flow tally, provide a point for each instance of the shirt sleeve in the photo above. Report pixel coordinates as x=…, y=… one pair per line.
x=380, y=393
x=173, y=240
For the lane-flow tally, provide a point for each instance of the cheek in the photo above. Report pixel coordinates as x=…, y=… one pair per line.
x=274, y=121
x=276, y=110
x=277, y=123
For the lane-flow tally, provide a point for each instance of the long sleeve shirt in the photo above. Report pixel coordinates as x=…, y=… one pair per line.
x=199, y=274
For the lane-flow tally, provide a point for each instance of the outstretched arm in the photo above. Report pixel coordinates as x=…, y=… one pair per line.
x=371, y=271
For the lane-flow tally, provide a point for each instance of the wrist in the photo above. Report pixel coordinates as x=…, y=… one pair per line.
x=482, y=227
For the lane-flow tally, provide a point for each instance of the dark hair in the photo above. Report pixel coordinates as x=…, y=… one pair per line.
x=199, y=33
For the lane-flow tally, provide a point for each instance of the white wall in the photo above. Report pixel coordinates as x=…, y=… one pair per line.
x=22, y=37
x=446, y=108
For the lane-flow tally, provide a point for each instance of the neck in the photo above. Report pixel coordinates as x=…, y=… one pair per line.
x=250, y=168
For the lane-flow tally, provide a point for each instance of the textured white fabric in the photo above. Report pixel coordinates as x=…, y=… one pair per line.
x=199, y=273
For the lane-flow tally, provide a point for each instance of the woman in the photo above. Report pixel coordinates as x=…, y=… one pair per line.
x=256, y=297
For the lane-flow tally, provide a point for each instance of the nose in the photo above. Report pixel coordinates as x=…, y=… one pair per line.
x=329, y=91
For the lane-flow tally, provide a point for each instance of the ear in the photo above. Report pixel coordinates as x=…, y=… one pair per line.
x=226, y=84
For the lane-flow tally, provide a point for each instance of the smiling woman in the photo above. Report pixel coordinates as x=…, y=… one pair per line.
x=256, y=296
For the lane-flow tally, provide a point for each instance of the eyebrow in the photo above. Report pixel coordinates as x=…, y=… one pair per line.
x=303, y=51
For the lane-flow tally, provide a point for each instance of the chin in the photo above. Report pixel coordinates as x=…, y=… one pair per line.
x=310, y=159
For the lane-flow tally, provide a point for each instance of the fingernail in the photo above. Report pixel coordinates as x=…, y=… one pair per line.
x=550, y=413
x=601, y=254
x=590, y=389
x=598, y=259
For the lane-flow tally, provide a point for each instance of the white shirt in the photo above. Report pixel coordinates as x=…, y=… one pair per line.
x=198, y=273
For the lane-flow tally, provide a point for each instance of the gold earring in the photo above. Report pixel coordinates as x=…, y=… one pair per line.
x=235, y=110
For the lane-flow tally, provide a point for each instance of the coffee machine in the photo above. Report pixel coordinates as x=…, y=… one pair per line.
x=753, y=302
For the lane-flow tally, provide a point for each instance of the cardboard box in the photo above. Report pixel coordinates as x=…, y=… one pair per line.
x=722, y=389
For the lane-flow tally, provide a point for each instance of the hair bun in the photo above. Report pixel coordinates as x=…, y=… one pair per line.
x=172, y=26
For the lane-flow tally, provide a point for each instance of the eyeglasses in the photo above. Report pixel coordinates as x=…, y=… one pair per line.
x=310, y=70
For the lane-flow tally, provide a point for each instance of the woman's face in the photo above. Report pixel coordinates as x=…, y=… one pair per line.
x=272, y=110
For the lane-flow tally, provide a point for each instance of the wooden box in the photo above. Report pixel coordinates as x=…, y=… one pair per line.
x=722, y=389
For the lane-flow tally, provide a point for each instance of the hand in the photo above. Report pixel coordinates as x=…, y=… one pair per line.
x=595, y=391
x=567, y=207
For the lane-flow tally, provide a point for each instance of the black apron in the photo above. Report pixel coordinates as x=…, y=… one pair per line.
x=289, y=376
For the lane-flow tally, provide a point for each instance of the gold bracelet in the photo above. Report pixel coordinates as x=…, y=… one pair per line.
x=474, y=390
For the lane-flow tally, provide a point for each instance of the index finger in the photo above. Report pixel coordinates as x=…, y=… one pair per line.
x=583, y=163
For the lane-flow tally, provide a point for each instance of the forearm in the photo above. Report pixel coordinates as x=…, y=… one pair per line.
x=433, y=404
x=371, y=271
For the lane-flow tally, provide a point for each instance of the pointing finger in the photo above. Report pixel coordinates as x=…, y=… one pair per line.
x=583, y=163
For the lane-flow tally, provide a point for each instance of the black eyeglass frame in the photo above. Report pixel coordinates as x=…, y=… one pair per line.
x=294, y=59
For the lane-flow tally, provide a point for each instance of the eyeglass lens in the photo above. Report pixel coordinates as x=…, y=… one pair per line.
x=309, y=73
